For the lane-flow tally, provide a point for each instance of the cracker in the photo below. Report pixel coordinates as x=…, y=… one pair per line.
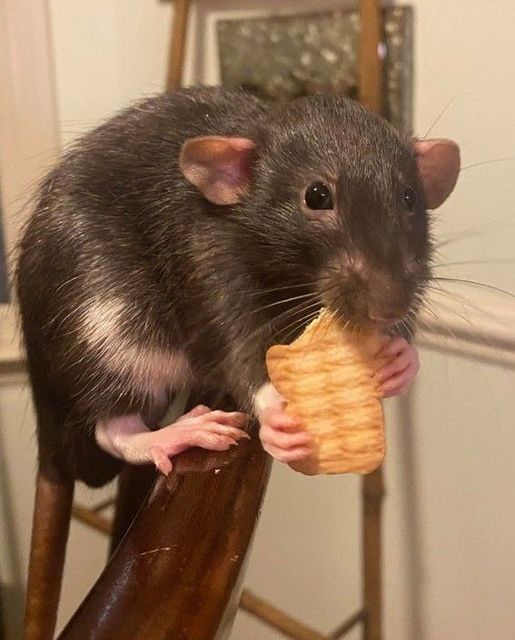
x=326, y=377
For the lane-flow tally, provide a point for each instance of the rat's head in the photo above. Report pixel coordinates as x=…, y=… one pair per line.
x=331, y=196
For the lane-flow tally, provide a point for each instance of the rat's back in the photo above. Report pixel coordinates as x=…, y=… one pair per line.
x=97, y=317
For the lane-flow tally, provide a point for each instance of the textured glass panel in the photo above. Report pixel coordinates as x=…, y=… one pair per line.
x=288, y=56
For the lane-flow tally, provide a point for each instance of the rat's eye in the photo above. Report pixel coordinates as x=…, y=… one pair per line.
x=318, y=196
x=410, y=199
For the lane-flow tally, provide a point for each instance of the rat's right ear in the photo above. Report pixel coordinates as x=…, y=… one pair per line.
x=219, y=167
x=438, y=163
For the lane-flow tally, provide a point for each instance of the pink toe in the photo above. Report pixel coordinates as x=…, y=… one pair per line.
x=282, y=439
x=230, y=418
x=279, y=420
x=213, y=441
x=160, y=459
x=199, y=410
x=394, y=347
x=290, y=455
x=399, y=383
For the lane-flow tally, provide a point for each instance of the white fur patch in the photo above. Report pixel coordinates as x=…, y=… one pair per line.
x=153, y=371
x=267, y=397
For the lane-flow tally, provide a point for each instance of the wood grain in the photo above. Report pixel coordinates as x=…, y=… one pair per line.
x=181, y=11
x=134, y=484
x=177, y=572
x=48, y=545
x=371, y=95
x=94, y=520
x=369, y=63
x=277, y=619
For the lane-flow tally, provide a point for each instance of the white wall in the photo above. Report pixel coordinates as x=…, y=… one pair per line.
x=457, y=491
x=449, y=526
x=87, y=549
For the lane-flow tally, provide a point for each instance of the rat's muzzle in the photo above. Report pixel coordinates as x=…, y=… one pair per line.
x=365, y=296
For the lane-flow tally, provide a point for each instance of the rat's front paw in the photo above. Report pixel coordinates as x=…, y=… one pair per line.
x=281, y=438
x=280, y=434
x=401, y=368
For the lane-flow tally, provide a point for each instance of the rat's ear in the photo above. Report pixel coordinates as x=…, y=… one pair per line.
x=438, y=163
x=219, y=167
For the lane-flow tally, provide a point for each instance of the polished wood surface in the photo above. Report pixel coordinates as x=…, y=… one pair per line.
x=134, y=484
x=181, y=11
x=373, y=493
x=91, y=518
x=371, y=95
x=178, y=568
x=259, y=607
x=370, y=68
x=277, y=619
x=50, y=528
x=347, y=626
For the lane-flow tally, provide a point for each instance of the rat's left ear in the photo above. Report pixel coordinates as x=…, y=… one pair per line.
x=438, y=163
x=219, y=167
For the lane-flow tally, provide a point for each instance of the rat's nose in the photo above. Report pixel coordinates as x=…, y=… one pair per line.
x=385, y=304
x=369, y=294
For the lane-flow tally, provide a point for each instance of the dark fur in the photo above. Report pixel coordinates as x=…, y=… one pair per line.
x=116, y=217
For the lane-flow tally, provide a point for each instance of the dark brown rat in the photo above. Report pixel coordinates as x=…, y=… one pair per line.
x=174, y=244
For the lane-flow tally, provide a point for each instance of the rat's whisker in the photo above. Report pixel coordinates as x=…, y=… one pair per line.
x=309, y=296
x=260, y=292
x=404, y=323
x=253, y=293
x=490, y=227
x=424, y=325
x=302, y=307
x=295, y=326
x=452, y=299
x=482, y=162
x=451, y=308
x=442, y=265
x=439, y=116
x=312, y=295
x=474, y=283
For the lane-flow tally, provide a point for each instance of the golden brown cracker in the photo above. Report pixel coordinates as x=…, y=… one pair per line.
x=326, y=376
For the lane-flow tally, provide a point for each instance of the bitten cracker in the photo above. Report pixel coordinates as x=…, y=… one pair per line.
x=326, y=376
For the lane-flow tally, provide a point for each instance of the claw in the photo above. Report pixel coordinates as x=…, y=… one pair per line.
x=160, y=460
x=128, y=438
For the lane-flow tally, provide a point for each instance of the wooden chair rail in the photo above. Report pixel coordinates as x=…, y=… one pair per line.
x=291, y=627
x=177, y=572
x=266, y=612
x=372, y=488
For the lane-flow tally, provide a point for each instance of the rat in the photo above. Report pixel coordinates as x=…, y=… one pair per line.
x=175, y=243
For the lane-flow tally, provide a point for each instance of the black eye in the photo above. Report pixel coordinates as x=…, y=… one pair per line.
x=318, y=196
x=410, y=199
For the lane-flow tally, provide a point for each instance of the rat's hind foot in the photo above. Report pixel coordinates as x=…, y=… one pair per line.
x=201, y=427
x=128, y=438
